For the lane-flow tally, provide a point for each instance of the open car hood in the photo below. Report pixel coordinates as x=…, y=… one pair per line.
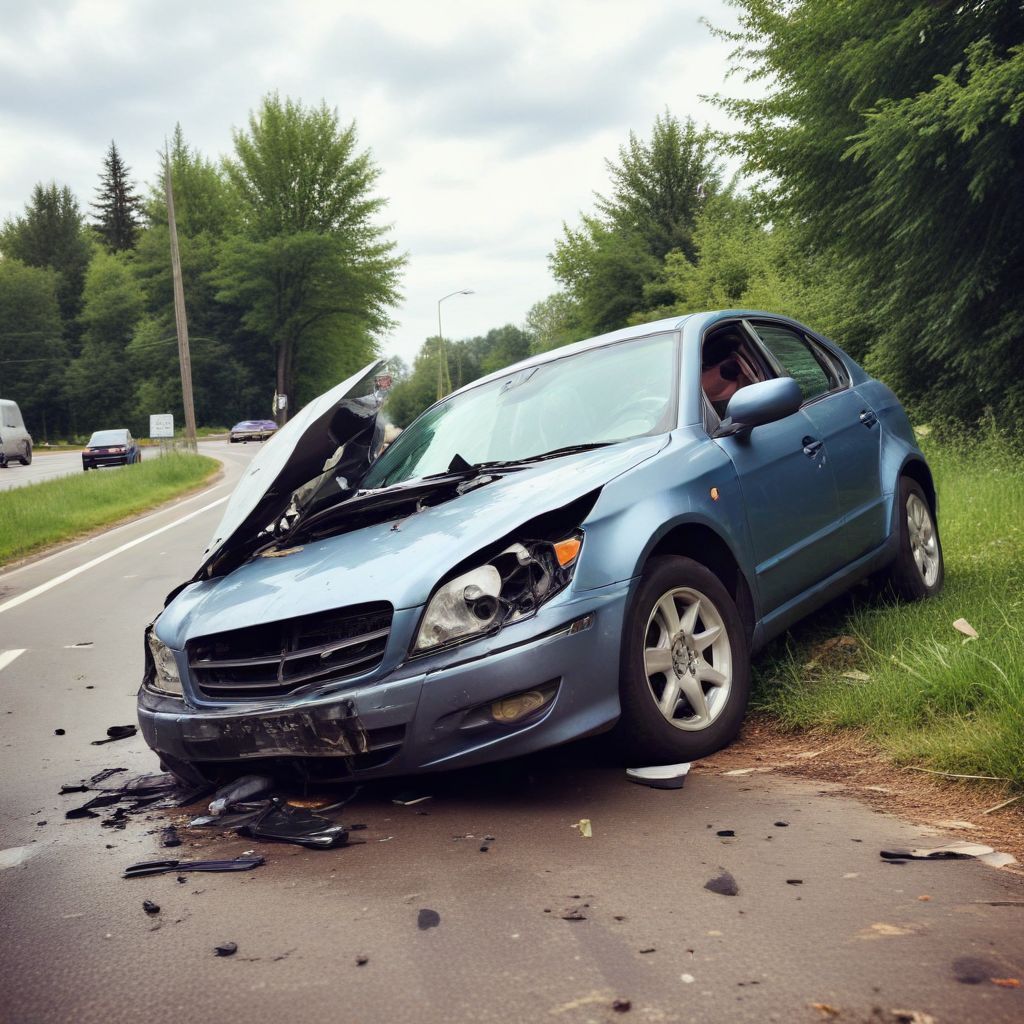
x=295, y=455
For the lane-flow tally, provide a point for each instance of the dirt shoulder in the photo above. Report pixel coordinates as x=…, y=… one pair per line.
x=954, y=806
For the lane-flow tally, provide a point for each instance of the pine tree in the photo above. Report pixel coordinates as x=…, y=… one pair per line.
x=117, y=205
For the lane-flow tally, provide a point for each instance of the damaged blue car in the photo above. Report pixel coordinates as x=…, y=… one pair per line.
x=597, y=538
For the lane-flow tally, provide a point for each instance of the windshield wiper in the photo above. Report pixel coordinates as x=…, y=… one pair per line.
x=569, y=449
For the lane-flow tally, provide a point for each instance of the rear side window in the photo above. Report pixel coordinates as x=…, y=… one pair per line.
x=798, y=359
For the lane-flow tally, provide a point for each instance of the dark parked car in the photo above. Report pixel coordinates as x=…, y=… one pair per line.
x=600, y=536
x=252, y=430
x=111, y=448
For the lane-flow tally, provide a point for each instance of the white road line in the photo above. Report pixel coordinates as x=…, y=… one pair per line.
x=72, y=573
x=6, y=657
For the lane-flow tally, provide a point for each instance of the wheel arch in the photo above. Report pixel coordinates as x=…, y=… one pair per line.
x=917, y=470
x=704, y=545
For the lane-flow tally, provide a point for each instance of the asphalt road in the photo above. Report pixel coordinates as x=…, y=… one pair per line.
x=50, y=465
x=819, y=918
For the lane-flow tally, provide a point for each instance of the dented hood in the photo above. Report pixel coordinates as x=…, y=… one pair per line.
x=400, y=563
x=294, y=456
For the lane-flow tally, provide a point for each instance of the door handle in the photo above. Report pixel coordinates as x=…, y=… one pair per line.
x=812, y=446
x=868, y=418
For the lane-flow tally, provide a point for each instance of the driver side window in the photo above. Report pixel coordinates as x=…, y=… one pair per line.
x=729, y=361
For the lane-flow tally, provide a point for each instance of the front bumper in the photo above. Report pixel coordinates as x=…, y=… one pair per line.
x=95, y=461
x=427, y=714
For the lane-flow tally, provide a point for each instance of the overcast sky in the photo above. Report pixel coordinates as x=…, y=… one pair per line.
x=490, y=121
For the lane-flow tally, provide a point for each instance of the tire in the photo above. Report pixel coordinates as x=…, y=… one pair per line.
x=918, y=571
x=645, y=733
x=26, y=459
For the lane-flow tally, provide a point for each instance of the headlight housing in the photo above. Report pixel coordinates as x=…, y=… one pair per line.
x=165, y=678
x=510, y=587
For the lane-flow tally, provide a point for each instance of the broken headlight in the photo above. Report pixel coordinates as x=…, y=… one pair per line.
x=511, y=586
x=165, y=677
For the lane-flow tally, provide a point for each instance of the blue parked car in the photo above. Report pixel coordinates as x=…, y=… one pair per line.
x=600, y=536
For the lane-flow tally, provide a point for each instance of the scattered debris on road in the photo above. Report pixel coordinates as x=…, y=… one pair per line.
x=59, y=732
x=427, y=919
x=226, y=949
x=117, y=732
x=585, y=829
x=621, y=1005
x=408, y=799
x=150, y=907
x=574, y=913
x=239, y=790
x=362, y=960
x=723, y=884
x=159, y=867
x=666, y=776
x=959, y=850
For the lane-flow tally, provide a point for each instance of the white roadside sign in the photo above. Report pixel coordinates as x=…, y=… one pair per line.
x=161, y=425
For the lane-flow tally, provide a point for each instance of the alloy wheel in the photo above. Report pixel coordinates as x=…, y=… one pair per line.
x=924, y=545
x=688, y=659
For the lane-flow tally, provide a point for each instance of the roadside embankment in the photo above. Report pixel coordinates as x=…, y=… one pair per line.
x=903, y=677
x=39, y=515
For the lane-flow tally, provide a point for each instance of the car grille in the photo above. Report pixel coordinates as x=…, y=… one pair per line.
x=273, y=659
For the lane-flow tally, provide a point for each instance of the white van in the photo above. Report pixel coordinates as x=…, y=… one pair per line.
x=15, y=442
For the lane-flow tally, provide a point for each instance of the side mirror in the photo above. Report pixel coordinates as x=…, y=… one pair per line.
x=760, y=403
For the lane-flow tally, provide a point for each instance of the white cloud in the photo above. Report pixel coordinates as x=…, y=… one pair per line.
x=490, y=121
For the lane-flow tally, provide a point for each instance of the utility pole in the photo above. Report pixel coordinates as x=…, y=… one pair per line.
x=184, y=359
x=444, y=380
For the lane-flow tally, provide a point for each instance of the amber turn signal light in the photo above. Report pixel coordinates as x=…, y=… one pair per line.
x=567, y=550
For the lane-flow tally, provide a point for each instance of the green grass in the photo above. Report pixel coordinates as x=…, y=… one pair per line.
x=933, y=698
x=42, y=514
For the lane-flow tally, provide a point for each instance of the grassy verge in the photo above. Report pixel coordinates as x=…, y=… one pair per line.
x=38, y=515
x=900, y=673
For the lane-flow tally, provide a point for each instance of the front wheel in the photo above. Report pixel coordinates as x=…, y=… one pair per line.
x=685, y=671
x=26, y=459
x=918, y=571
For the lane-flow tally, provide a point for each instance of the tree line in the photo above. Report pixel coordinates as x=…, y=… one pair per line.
x=876, y=201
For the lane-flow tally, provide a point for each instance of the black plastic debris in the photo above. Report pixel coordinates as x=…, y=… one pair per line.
x=621, y=1005
x=725, y=832
x=427, y=919
x=973, y=970
x=73, y=789
x=159, y=867
x=286, y=823
x=573, y=914
x=117, y=732
x=785, y=824
x=150, y=907
x=723, y=884
x=226, y=949
x=87, y=811
x=794, y=881
x=238, y=791
x=119, y=819
x=58, y=732
x=169, y=836
x=362, y=960
x=649, y=949
x=39, y=824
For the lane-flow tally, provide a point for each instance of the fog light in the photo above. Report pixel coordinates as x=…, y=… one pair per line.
x=517, y=707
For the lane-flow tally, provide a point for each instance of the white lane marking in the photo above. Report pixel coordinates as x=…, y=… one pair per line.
x=6, y=657
x=72, y=573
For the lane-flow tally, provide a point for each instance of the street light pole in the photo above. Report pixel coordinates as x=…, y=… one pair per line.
x=442, y=360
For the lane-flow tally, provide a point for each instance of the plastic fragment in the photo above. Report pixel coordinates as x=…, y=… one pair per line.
x=963, y=626
x=238, y=791
x=723, y=832
x=150, y=907
x=573, y=914
x=117, y=732
x=58, y=732
x=1006, y=982
x=362, y=960
x=621, y=1005
x=226, y=949
x=427, y=919
x=782, y=824
x=723, y=884
x=158, y=867
x=825, y=1009
x=666, y=776
x=169, y=836
x=585, y=829
x=959, y=850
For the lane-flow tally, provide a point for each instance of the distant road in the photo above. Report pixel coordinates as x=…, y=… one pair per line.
x=50, y=466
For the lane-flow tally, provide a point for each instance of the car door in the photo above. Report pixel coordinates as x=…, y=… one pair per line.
x=849, y=429
x=791, y=504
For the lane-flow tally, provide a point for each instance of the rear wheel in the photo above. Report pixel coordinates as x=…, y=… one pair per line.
x=918, y=571
x=685, y=672
x=26, y=459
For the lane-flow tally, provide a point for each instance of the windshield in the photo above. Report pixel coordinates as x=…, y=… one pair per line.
x=600, y=396
x=102, y=437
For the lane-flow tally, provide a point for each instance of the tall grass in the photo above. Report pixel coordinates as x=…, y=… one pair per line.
x=932, y=696
x=41, y=514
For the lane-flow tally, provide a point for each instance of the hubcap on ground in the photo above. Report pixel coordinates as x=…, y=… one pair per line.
x=924, y=545
x=687, y=658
